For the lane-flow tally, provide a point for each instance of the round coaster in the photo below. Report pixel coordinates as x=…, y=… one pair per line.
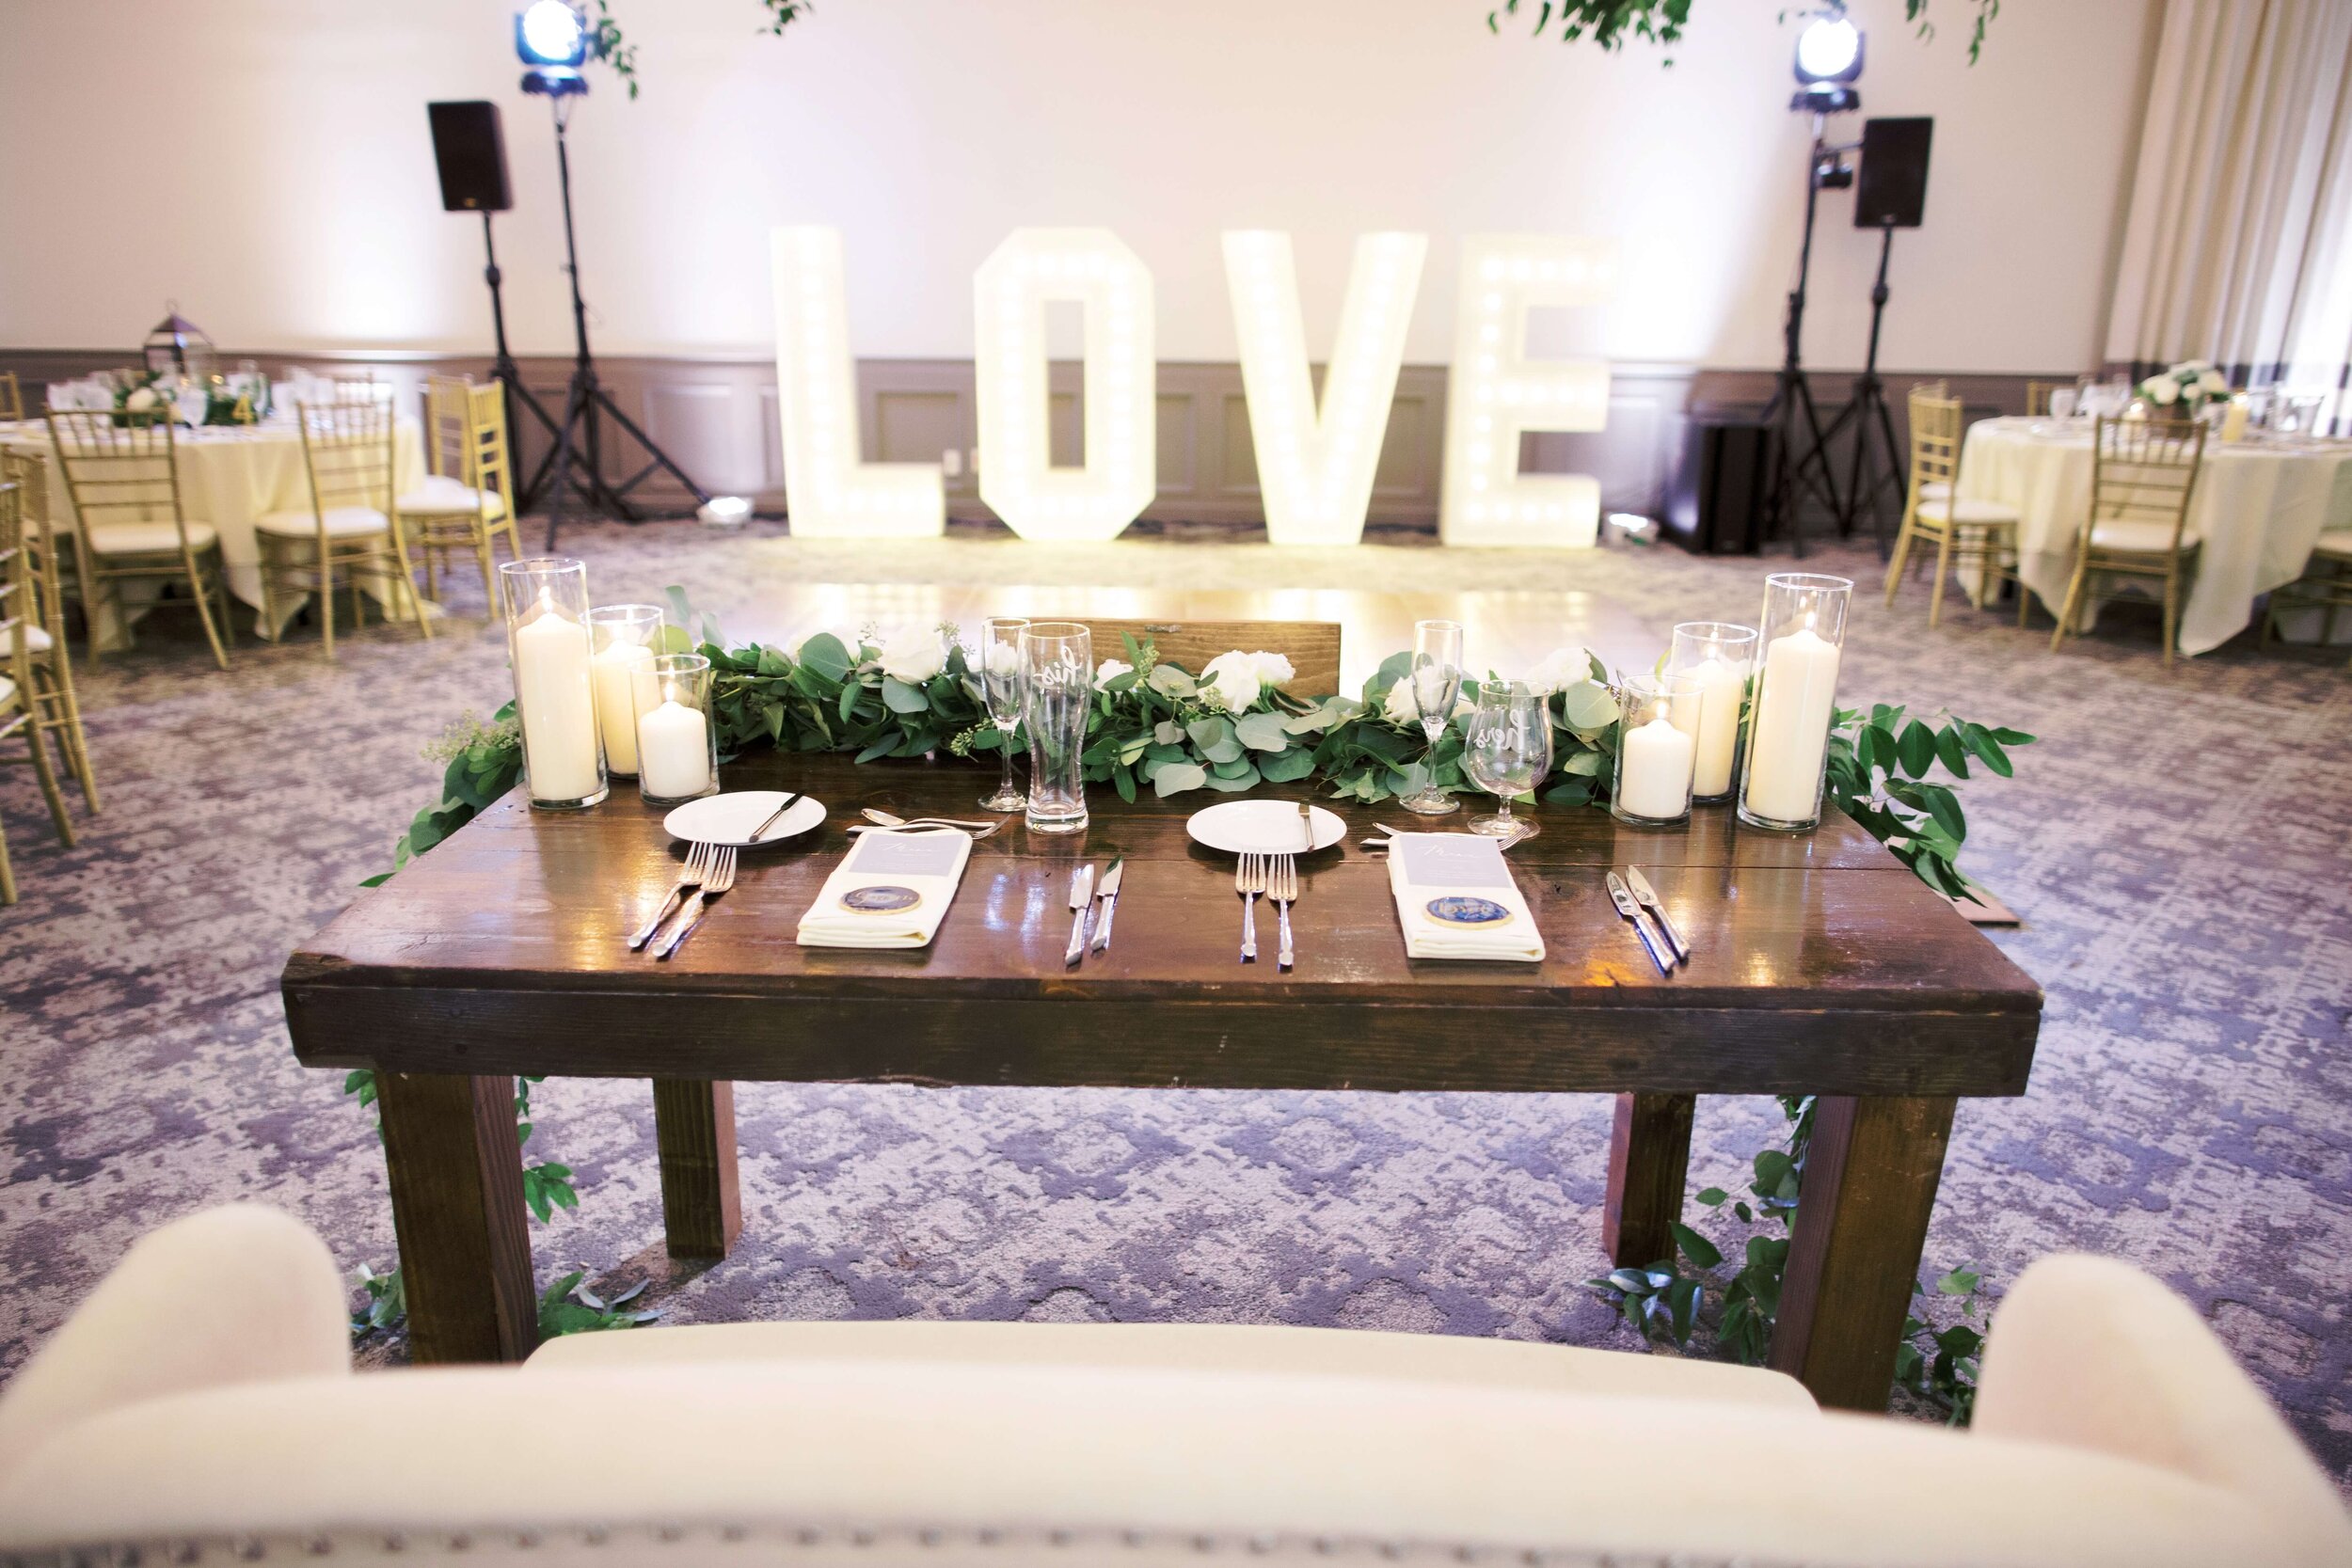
x=1460, y=909
x=880, y=900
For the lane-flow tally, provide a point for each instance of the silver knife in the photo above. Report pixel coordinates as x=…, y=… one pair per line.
x=1081, y=899
x=1631, y=911
x=1108, y=895
x=1648, y=896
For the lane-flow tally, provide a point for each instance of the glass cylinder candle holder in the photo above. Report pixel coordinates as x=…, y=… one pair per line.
x=1804, y=636
x=547, y=642
x=623, y=638
x=1657, y=724
x=1718, y=654
x=1057, y=665
x=678, y=745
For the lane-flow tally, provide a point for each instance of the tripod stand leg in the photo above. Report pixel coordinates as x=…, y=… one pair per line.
x=662, y=459
x=560, y=465
x=1897, y=469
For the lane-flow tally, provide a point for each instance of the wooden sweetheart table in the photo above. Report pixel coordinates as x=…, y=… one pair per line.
x=1821, y=966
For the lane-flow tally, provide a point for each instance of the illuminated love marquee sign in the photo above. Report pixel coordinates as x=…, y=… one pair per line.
x=1315, y=457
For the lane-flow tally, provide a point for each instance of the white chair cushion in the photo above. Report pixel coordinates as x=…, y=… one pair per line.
x=1934, y=490
x=2335, y=545
x=37, y=638
x=1971, y=513
x=443, y=497
x=2136, y=536
x=149, y=538
x=341, y=522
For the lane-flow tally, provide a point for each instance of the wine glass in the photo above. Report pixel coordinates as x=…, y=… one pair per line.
x=1435, y=681
x=1003, y=687
x=1506, y=751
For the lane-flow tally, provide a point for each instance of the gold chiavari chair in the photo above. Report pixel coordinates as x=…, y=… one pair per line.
x=1978, y=533
x=16, y=674
x=125, y=480
x=2143, y=476
x=2038, y=397
x=1935, y=490
x=2325, y=585
x=11, y=396
x=351, y=527
x=469, y=498
x=56, y=708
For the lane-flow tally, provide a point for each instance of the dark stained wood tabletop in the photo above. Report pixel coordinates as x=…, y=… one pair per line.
x=1821, y=963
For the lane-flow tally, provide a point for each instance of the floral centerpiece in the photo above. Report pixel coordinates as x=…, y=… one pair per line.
x=2187, y=387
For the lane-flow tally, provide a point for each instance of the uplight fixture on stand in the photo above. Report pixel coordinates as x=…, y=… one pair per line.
x=554, y=40
x=1828, y=62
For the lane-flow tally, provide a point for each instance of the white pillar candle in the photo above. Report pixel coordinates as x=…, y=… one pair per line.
x=616, y=709
x=2233, y=422
x=558, y=705
x=673, y=751
x=1795, y=700
x=1721, y=686
x=1654, y=775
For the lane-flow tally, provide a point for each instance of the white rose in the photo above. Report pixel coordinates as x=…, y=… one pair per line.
x=2163, y=392
x=1109, y=670
x=1560, y=669
x=1397, y=706
x=1003, y=659
x=1272, y=669
x=2216, y=382
x=1230, y=682
x=913, y=661
x=140, y=401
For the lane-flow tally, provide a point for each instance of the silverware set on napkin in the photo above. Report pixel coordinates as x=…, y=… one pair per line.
x=708, y=873
x=1085, y=893
x=1635, y=897
x=882, y=821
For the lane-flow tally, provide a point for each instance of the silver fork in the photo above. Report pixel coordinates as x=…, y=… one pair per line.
x=1249, y=881
x=697, y=863
x=719, y=879
x=1283, y=887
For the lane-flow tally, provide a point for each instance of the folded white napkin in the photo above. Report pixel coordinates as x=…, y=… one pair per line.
x=1463, y=874
x=891, y=890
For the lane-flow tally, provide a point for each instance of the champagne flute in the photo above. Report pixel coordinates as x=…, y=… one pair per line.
x=1002, y=684
x=1435, y=677
x=1506, y=751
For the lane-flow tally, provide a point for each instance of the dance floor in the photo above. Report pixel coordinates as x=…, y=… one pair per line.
x=2186, y=1110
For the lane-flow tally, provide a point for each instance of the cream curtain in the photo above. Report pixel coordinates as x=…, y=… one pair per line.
x=2238, y=247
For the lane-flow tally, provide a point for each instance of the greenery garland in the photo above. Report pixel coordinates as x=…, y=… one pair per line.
x=1228, y=728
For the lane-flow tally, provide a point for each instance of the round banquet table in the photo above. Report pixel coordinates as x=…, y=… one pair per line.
x=230, y=475
x=2259, y=508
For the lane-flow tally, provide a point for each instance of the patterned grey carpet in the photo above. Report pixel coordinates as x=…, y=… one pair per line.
x=2179, y=844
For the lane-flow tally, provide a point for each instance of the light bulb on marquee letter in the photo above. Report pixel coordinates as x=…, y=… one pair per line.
x=1315, y=467
x=1495, y=393
x=831, y=494
x=1008, y=294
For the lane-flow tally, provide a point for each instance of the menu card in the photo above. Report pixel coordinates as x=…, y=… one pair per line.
x=1456, y=900
x=891, y=890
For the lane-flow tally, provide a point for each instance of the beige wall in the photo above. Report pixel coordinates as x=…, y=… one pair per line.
x=267, y=164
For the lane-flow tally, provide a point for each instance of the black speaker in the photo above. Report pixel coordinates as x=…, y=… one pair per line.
x=1893, y=190
x=471, y=156
x=1719, y=489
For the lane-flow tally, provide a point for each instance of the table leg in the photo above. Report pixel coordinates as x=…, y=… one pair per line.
x=694, y=1129
x=457, y=1172
x=1649, y=1156
x=1870, y=1175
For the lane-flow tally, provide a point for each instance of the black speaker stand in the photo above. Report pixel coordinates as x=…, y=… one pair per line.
x=586, y=404
x=1801, y=461
x=503, y=370
x=1873, y=471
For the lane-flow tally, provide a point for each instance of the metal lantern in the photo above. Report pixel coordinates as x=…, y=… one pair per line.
x=179, y=350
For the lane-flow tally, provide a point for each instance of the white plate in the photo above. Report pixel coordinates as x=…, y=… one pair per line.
x=730, y=818
x=1261, y=827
